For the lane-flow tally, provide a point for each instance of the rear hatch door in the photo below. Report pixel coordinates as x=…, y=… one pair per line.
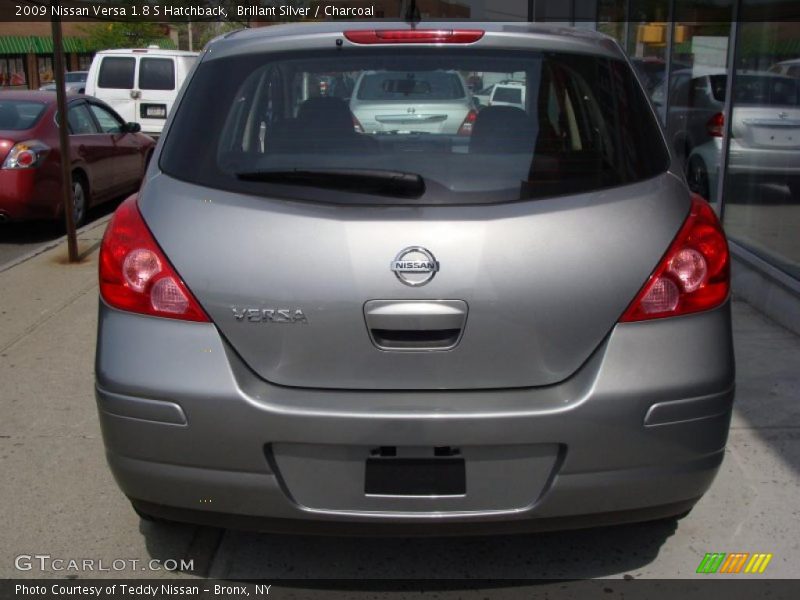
x=531, y=288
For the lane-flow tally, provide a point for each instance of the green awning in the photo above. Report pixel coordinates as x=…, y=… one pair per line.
x=42, y=45
x=76, y=45
x=15, y=44
x=23, y=44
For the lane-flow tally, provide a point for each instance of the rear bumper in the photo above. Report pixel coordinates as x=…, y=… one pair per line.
x=638, y=432
x=751, y=161
x=25, y=195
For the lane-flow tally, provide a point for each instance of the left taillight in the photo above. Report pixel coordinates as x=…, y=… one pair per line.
x=716, y=125
x=136, y=276
x=694, y=274
x=469, y=121
x=26, y=155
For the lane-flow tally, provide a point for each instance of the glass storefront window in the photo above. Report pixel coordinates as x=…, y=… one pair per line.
x=762, y=187
x=697, y=84
x=45, y=67
x=84, y=61
x=12, y=71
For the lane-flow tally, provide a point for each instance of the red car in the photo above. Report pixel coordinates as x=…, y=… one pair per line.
x=108, y=155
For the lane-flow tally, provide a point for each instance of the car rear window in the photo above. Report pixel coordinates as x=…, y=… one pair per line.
x=276, y=125
x=18, y=115
x=508, y=94
x=393, y=85
x=116, y=72
x=762, y=90
x=156, y=74
x=766, y=91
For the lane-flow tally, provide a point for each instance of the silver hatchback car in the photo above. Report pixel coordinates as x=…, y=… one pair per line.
x=307, y=326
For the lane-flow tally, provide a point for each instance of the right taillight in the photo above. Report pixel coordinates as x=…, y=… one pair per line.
x=716, y=125
x=136, y=276
x=694, y=274
x=26, y=155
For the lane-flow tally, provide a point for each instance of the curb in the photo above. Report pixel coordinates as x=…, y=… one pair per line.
x=52, y=244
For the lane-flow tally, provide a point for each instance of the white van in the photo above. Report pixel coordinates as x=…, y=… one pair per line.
x=140, y=84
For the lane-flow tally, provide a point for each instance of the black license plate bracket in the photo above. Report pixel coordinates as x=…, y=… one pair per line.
x=399, y=476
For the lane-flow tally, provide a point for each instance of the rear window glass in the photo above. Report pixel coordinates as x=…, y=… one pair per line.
x=718, y=86
x=75, y=77
x=284, y=125
x=761, y=90
x=17, y=115
x=508, y=94
x=393, y=85
x=116, y=72
x=156, y=74
x=766, y=91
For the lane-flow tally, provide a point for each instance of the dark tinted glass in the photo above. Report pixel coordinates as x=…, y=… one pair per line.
x=767, y=90
x=17, y=115
x=762, y=90
x=401, y=86
x=80, y=121
x=116, y=72
x=156, y=74
x=109, y=123
x=586, y=126
x=507, y=94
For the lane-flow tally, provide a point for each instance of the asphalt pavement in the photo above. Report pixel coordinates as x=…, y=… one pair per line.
x=59, y=498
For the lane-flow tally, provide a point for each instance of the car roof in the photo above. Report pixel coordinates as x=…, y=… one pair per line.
x=520, y=35
x=159, y=51
x=45, y=96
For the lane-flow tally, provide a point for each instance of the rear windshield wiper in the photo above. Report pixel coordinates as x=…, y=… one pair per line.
x=380, y=182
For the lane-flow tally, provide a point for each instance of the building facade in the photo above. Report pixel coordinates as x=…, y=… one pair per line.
x=26, y=52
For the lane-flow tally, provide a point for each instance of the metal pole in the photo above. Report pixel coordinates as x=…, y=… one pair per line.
x=627, y=27
x=63, y=137
x=668, y=65
x=728, y=108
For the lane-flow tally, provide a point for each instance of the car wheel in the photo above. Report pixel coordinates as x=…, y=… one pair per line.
x=79, y=199
x=697, y=177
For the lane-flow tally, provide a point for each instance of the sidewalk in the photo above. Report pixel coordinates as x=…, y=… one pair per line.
x=59, y=498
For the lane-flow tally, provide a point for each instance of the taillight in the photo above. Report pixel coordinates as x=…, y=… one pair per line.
x=469, y=121
x=5, y=146
x=694, y=274
x=357, y=125
x=26, y=155
x=414, y=36
x=716, y=125
x=136, y=276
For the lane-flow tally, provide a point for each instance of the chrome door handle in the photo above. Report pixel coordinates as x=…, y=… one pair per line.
x=415, y=324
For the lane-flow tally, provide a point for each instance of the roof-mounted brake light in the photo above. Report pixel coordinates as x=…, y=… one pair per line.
x=414, y=36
